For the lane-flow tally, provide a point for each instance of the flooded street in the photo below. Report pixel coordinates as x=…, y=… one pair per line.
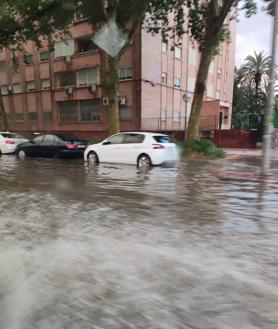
x=114, y=248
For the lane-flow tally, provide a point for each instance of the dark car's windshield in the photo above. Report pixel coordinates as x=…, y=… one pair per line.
x=163, y=139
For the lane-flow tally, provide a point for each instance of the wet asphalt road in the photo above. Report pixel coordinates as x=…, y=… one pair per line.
x=115, y=248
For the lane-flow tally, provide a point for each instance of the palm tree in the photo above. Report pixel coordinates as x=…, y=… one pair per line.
x=255, y=71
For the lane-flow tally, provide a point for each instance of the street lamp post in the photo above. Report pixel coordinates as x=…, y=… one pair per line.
x=268, y=124
x=186, y=99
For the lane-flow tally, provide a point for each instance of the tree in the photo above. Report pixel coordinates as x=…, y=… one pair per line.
x=208, y=26
x=256, y=70
x=128, y=16
x=250, y=98
x=22, y=20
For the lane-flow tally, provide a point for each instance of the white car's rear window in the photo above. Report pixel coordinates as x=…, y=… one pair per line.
x=163, y=139
x=11, y=135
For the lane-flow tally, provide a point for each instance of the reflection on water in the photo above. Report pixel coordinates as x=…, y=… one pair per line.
x=113, y=247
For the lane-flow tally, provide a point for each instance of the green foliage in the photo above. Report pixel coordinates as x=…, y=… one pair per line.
x=250, y=92
x=22, y=20
x=255, y=71
x=270, y=6
x=203, y=147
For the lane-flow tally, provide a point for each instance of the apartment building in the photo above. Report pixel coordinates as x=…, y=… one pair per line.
x=61, y=91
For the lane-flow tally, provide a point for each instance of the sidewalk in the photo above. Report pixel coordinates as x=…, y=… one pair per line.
x=250, y=153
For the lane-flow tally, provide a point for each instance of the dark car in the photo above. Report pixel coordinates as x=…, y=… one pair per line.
x=53, y=146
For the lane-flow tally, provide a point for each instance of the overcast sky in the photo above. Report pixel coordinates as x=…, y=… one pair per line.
x=253, y=34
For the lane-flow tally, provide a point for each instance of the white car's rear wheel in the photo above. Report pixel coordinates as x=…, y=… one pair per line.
x=22, y=154
x=144, y=161
x=92, y=158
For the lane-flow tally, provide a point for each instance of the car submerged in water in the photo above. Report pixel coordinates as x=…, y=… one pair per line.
x=9, y=142
x=143, y=149
x=53, y=146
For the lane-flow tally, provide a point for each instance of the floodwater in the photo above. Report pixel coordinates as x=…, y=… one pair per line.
x=114, y=248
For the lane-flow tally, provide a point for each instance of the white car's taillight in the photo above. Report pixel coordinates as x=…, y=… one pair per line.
x=158, y=146
x=8, y=141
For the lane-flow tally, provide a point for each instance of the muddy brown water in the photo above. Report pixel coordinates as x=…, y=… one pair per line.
x=112, y=247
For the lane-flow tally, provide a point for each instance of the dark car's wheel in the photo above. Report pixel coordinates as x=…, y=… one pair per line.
x=92, y=158
x=21, y=153
x=144, y=161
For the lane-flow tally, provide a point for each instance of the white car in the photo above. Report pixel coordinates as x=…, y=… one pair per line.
x=9, y=142
x=139, y=148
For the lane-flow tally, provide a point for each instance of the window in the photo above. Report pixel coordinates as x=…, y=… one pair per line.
x=49, y=138
x=64, y=48
x=4, y=90
x=164, y=115
x=133, y=138
x=164, y=46
x=17, y=88
x=126, y=112
x=192, y=56
x=45, y=84
x=117, y=139
x=38, y=139
x=210, y=90
x=8, y=116
x=32, y=116
x=28, y=59
x=219, y=72
x=178, y=52
x=11, y=135
x=68, y=111
x=44, y=56
x=2, y=65
x=90, y=110
x=66, y=79
x=18, y=117
x=163, y=139
x=47, y=116
x=176, y=116
x=31, y=86
x=221, y=50
x=211, y=67
x=85, y=44
x=164, y=78
x=177, y=82
x=191, y=84
x=87, y=77
x=125, y=73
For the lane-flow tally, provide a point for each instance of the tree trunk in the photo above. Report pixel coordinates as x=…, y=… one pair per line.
x=212, y=37
x=3, y=114
x=110, y=84
x=199, y=93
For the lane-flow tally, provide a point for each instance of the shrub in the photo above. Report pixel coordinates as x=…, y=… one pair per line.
x=204, y=147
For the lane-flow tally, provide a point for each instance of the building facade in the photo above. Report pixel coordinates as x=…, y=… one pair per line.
x=61, y=91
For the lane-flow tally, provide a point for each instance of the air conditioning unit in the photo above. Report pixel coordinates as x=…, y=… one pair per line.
x=123, y=101
x=67, y=59
x=69, y=90
x=10, y=89
x=105, y=101
x=93, y=88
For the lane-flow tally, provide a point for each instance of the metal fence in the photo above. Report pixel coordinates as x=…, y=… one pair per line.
x=176, y=124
